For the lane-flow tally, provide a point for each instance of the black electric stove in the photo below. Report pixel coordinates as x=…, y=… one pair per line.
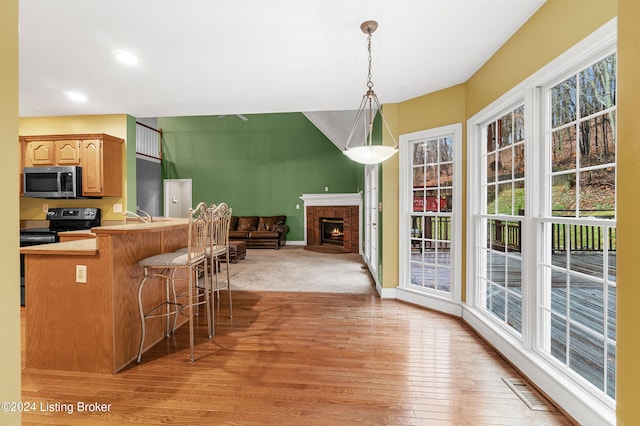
x=60, y=219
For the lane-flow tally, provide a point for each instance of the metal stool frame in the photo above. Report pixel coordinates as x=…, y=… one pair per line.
x=221, y=218
x=165, y=266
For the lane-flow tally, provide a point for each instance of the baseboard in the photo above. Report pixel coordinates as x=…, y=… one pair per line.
x=429, y=301
x=295, y=243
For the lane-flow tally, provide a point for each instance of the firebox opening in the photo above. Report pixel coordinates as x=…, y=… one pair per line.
x=332, y=231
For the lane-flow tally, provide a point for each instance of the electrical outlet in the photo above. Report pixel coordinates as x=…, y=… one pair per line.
x=117, y=208
x=45, y=207
x=297, y=206
x=326, y=189
x=81, y=274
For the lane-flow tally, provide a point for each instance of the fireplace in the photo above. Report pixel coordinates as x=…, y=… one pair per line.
x=332, y=231
x=345, y=208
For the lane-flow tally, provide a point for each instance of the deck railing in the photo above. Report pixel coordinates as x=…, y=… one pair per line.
x=581, y=238
x=506, y=235
x=564, y=236
x=436, y=233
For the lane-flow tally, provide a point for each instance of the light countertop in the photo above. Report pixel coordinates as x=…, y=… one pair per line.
x=89, y=246
x=83, y=247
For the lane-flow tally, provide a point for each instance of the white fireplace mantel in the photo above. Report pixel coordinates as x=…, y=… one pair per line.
x=350, y=199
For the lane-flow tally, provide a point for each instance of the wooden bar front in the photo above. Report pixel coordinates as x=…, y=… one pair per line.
x=94, y=326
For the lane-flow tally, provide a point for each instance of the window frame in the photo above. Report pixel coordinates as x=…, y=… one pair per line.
x=546, y=218
x=446, y=302
x=578, y=400
x=479, y=300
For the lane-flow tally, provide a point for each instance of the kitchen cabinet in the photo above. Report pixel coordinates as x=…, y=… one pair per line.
x=95, y=327
x=92, y=179
x=67, y=152
x=100, y=156
x=39, y=153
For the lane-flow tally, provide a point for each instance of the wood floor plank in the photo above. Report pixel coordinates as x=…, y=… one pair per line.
x=302, y=359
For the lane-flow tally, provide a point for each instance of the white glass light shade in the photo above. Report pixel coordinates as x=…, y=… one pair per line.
x=370, y=154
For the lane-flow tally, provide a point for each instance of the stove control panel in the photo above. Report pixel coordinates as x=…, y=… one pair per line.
x=76, y=218
x=83, y=213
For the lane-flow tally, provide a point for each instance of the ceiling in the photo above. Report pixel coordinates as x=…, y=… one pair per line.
x=211, y=57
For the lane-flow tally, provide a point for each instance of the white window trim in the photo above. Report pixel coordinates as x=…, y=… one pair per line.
x=450, y=303
x=479, y=299
x=575, y=399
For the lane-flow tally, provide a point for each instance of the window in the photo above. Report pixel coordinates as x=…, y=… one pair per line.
x=500, y=280
x=578, y=267
x=542, y=223
x=430, y=217
x=430, y=229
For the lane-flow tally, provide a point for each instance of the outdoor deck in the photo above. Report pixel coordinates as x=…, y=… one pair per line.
x=580, y=296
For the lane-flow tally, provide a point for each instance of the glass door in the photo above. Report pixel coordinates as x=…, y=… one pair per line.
x=371, y=218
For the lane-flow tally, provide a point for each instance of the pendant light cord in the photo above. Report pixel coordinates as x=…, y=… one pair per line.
x=369, y=82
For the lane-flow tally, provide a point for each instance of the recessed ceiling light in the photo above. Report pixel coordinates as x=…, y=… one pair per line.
x=76, y=96
x=125, y=57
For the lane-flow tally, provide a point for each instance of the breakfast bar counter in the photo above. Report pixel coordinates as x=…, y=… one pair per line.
x=81, y=296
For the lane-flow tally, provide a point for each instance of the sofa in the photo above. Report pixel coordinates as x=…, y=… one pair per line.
x=259, y=231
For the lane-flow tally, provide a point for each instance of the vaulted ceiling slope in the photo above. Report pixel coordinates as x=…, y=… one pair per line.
x=212, y=57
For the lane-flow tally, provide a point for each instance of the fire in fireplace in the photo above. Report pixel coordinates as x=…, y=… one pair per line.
x=332, y=231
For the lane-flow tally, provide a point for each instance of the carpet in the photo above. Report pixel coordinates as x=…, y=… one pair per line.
x=294, y=269
x=325, y=248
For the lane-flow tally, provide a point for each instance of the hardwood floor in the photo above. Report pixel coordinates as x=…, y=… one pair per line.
x=303, y=359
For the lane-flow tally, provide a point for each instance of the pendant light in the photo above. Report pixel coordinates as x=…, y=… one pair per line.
x=369, y=106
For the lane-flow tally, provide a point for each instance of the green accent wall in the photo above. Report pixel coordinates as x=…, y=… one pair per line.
x=260, y=166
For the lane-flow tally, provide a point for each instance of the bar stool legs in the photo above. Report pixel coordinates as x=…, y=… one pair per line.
x=170, y=306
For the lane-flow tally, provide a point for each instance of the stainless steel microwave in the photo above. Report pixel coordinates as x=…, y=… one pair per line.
x=53, y=182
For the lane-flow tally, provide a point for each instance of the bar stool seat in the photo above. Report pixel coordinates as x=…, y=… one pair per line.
x=169, y=259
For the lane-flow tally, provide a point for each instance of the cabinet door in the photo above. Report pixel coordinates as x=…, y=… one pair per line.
x=67, y=153
x=91, y=167
x=20, y=167
x=39, y=153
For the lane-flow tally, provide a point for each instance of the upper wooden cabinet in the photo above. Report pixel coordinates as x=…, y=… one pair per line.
x=99, y=155
x=67, y=152
x=39, y=153
x=94, y=181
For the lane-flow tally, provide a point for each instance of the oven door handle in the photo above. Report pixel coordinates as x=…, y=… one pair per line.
x=35, y=239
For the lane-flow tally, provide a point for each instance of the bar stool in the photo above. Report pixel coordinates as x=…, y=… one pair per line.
x=165, y=266
x=221, y=218
x=217, y=248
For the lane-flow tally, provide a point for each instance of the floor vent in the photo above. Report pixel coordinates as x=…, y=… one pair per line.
x=530, y=396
